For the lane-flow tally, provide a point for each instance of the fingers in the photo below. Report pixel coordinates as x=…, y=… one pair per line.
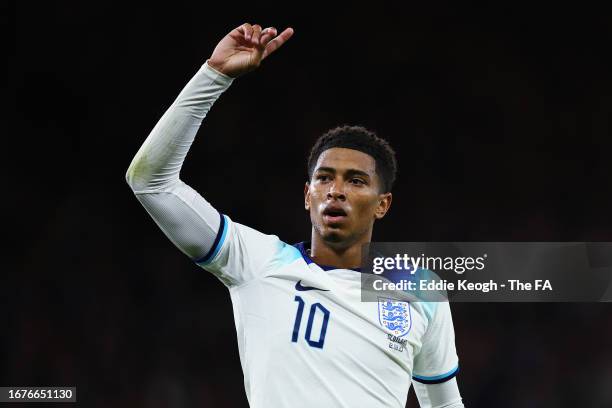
x=256, y=34
x=267, y=39
x=266, y=35
x=253, y=33
x=277, y=42
x=246, y=30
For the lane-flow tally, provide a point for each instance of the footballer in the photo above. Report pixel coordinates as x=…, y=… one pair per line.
x=305, y=337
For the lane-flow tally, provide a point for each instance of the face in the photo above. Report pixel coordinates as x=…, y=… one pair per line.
x=343, y=197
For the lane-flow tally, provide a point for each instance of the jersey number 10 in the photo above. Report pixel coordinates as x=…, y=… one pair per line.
x=308, y=335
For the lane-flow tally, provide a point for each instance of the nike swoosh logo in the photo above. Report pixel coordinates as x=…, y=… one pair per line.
x=301, y=288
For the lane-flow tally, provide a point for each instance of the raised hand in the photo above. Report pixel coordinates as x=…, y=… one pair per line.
x=243, y=49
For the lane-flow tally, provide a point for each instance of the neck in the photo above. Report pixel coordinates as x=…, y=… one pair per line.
x=339, y=255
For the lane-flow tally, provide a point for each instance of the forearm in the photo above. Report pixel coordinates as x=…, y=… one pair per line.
x=186, y=218
x=443, y=395
x=157, y=164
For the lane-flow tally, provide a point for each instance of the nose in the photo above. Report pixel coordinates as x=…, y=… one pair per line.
x=336, y=192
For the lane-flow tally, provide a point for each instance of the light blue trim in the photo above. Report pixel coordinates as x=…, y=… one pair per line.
x=436, y=377
x=430, y=309
x=287, y=254
x=220, y=243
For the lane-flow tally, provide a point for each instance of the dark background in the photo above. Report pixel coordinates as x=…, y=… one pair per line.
x=500, y=116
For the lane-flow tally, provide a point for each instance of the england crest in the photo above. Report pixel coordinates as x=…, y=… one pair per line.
x=395, y=316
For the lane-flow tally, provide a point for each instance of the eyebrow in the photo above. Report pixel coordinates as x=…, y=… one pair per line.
x=350, y=172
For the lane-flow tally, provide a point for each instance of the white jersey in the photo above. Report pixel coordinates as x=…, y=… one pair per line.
x=305, y=337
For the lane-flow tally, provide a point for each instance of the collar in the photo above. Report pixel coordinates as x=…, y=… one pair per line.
x=304, y=248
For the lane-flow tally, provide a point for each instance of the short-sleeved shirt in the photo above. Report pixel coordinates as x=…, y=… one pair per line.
x=305, y=337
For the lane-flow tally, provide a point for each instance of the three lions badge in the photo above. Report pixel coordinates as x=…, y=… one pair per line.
x=395, y=316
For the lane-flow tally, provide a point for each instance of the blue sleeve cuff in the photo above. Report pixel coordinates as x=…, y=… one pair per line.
x=437, y=379
x=214, y=250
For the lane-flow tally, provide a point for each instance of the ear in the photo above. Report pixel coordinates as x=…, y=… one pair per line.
x=307, y=196
x=384, y=203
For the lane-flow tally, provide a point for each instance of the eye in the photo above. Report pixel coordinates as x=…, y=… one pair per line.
x=357, y=181
x=323, y=177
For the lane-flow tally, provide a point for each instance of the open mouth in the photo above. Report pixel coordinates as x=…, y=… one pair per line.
x=334, y=215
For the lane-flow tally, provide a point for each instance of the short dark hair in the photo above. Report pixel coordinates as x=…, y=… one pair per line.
x=363, y=140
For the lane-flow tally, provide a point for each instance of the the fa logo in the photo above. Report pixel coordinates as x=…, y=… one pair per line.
x=395, y=316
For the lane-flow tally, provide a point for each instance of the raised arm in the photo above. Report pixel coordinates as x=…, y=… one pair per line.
x=188, y=220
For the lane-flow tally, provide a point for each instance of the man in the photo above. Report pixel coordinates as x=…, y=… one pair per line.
x=305, y=338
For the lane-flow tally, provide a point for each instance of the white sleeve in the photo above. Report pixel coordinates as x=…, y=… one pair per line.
x=234, y=253
x=188, y=220
x=442, y=395
x=242, y=254
x=437, y=359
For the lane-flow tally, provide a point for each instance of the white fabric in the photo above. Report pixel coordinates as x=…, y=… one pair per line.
x=345, y=360
x=188, y=220
x=443, y=395
x=183, y=215
x=437, y=356
x=335, y=352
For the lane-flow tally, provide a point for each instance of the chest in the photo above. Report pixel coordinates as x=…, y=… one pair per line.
x=318, y=316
